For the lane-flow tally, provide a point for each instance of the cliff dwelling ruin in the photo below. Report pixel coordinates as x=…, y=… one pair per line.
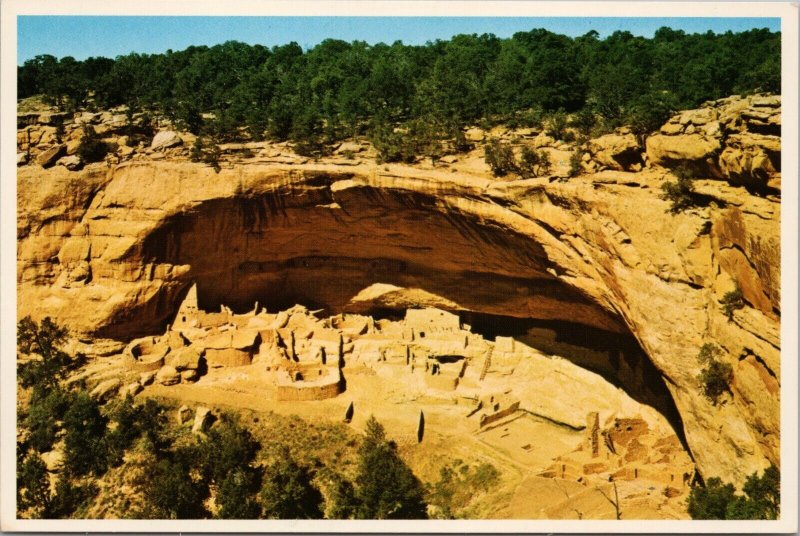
x=500, y=389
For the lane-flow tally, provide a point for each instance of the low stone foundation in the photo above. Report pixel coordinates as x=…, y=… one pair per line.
x=328, y=386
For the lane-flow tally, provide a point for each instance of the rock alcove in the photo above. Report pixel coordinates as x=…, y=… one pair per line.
x=378, y=252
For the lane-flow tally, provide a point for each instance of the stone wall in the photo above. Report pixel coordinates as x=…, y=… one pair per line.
x=488, y=418
x=327, y=387
x=228, y=357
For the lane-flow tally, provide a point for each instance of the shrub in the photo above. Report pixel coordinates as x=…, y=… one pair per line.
x=532, y=118
x=500, y=157
x=681, y=192
x=556, y=124
x=228, y=447
x=732, y=301
x=222, y=127
x=59, y=133
x=458, y=486
x=91, y=148
x=225, y=458
x=715, y=376
x=533, y=163
x=419, y=137
x=583, y=121
x=187, y=117
x=575, y=166
x=205, y=152
x=763, y=496
x=424, y=137
x=308, y=135
x=716, y=379
x=649, y=111
x=718, y=500
x=34, y=492
x=460, y=142
x=68, y=498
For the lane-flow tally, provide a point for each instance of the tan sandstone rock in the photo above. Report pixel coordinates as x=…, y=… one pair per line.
x=616, y=151
x=53, y=460
x=202, y=419
x=49, y=156
x=187, y=358
x=106, y=389
x=165, y=139
x=183, y=414
x=72, y=162
x=167, y=375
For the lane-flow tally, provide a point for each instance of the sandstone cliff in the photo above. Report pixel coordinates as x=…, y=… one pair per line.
x=110, y=252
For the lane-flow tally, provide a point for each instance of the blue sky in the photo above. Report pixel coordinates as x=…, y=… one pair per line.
x=84, y=36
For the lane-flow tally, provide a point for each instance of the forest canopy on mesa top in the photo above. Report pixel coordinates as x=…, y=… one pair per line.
x=350, y=88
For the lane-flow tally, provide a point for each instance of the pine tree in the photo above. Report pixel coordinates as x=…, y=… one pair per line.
x=385, y=486
x=288, y=491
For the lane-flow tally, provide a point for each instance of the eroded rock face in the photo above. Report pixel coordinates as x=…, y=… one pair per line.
x=736, y=138
x=112, y=251
x=619, y=151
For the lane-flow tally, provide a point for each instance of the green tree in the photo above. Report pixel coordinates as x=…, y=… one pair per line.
x=466, y=78
x=236, y=496
x=33, y=486
x=681, y=192
x=91, y=147
x=556, y=125
x=227, y=447
x=44, y=339
x=225, y=459
x=584, y=120
x=124, y=416
x=458, y=485
x=308, y=134
x=732, y=301
x=37, y=75
x=711, y=501
x=715, y=376
x=84, y=443
x=763, y=497
x=68, y=498
x=575, y=164
x=207, y=152
x=391, y=144
x=533, y=163
x=288, y=491
x=174, y=491
x=718, y=500
x=385, y=486
x=341, y=500
x=649, y=111
x=45, y=410
x=499, y=156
